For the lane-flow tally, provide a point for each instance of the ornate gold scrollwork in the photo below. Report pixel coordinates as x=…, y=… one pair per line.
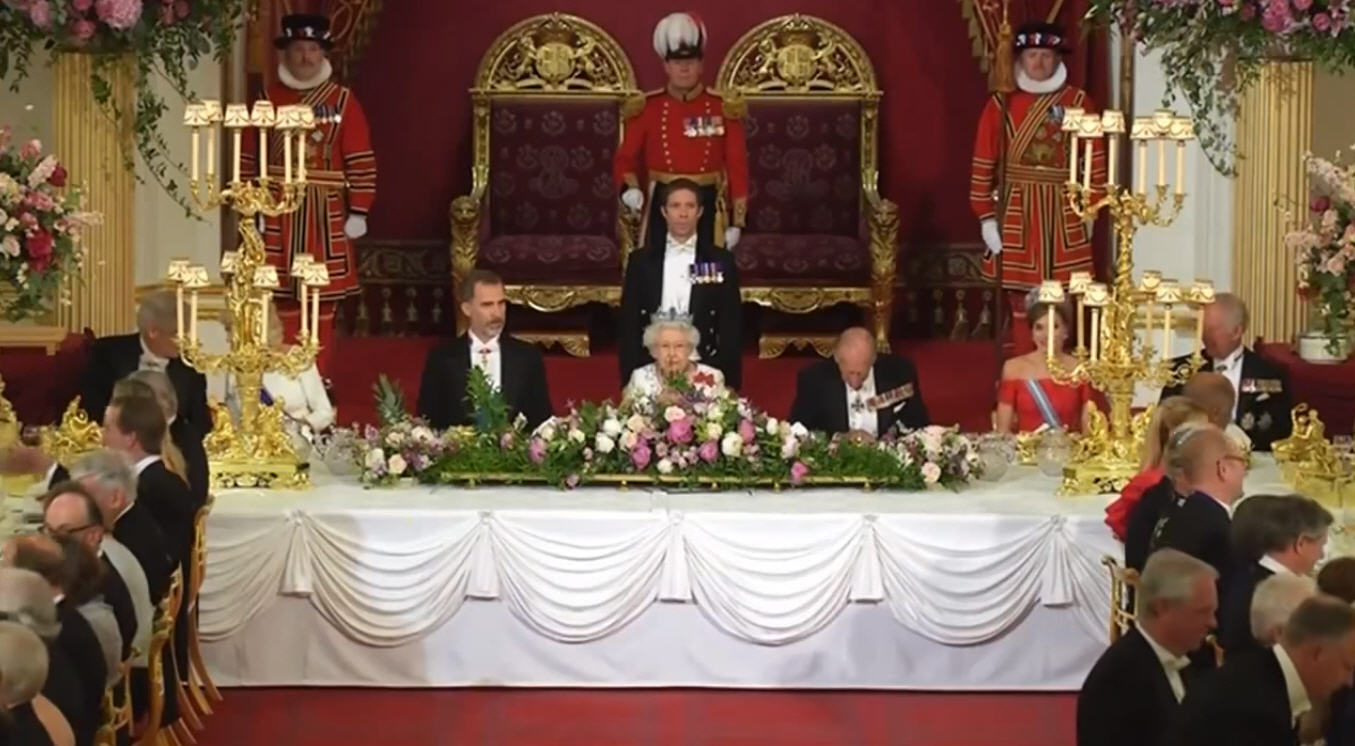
x=804, y=299
x=553, y=298
x=574, y=343
x=76, y=435
x=775, y=345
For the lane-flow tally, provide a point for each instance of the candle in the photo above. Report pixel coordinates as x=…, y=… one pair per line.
x=263, y=154
x=1049, y=331
x=286, y=157
x=211, y=150
x=1161, y=163
x=196, y=156
x=1081, y=338
x=1087, y=166
x=1114, y=142
x=315, y=315
x=1096, y=333
x=301, y=155
x=193, y=317
x=1180, y=167
x=1167, y=333
x=1143, y=167
x=263, y=317
x=301, y=333
x=235, y=166
x=1199, y=328
x=178, y=309
x=1072, y=157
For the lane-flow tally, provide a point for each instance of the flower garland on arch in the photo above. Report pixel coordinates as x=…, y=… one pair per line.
x=1324, y=249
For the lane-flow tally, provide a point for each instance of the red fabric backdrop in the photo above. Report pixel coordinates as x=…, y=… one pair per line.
x=413, y=77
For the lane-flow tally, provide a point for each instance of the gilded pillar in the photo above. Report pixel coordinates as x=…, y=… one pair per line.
x=90, y=144
x=1274, y=131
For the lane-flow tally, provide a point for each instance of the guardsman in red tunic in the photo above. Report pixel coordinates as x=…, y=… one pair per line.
x=685, y=130
x=1039, y=236
x=340, y=172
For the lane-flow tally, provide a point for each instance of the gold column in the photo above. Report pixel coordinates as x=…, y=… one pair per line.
x=90, y=144
x=1274, y=130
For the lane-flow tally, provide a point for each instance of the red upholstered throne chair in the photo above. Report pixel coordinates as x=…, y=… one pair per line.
x=818, y=233
x=543, y=211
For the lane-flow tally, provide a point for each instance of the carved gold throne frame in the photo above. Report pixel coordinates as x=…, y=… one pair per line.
x=554, y=55
x=801, y=57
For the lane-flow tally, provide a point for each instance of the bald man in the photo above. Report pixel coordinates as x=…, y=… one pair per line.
x=859, y=391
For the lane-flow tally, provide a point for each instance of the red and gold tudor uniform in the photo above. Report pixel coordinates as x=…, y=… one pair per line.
x=1042, y=238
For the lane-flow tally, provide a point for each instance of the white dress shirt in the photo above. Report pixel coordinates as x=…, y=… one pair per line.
x=1298, y=694
x=1172, y=665
x=105, y=625
x=1272, y=564
x=1231, y=368
x=678, y=258
x=122, y=560
x=145, y=461
x=149, y=360
x=859, y=416
x=487, y=356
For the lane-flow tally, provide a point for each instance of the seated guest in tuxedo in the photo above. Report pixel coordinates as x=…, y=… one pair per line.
x=71, y=510
x=303, y=396
x=1337, y=578
x=859, y=391
x=82, y=578
x=1199, y=521
x=109, y=478
x=152, y=347
x=27, y=599
x=29, y=717
x=1028, y=398
x=1136, y=687
x=1262, y=388
x=1215, y=393
x=672, y=342
x=515, y=367
x=1272, y=603
x=134, y=425
x=41, y=555
x=1124, y=514
x=183, y=450
x=1271, y=535
x=1257, y=700
x=681, y=274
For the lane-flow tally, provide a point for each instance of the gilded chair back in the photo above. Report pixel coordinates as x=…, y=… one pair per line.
x=543, y=210
x=1124, y=585
x=818, y=232
x=162, y=631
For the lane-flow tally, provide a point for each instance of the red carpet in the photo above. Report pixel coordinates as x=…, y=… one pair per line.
x=957, y=378
x=514, y=717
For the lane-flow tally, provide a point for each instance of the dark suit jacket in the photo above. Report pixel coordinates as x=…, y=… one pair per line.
x=1245, y=703
x=1138, y=535
x=64, y=688
x=1341, y=730
x=716, y=310
x=1126, y=699
x=189, y=440
x=1265, y=416
x=821, y=396
x=1199, y=526
x=1235, y=608
x=112, y=358
x=173, y=506
x=442, y=393
x=138, y=530
x=80, y=643
x=116, y=595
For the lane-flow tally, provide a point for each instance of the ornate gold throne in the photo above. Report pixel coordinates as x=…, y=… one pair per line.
x=818, y=233
x=543, y=210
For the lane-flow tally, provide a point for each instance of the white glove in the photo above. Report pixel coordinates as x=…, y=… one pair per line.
x=732, y=234
x=991, y=237
x=633, y=198
x=355, y=226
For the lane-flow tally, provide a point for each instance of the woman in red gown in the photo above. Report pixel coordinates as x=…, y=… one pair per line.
x=1028, y=397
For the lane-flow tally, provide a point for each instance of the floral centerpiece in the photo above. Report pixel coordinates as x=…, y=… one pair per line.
x=163, y=39
x=697, y=434
x=1212, y=50
x=1324, y=250
x=40, y=225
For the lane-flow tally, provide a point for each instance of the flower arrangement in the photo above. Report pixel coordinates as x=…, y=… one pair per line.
x=1324, y=250
x=40, y=226
x=1212, y=50
x=697, y=434
x=165, y=38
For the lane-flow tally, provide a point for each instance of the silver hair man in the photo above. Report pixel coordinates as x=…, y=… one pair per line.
x=1169, y=577
x=23, y=664
x=109, y=478
x=1274, y=601
x=159, y=382
x=25, y=598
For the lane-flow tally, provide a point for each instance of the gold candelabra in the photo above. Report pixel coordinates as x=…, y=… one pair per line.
x=1110, y=353
x=257, y=452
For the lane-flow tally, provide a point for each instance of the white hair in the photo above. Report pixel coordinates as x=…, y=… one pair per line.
x=26, y=598
x=158, y=310
x=1274, y=601
x=108, y=469
x=23, y=664
x=650, y=338
x=159, y=382
x=1170, y=575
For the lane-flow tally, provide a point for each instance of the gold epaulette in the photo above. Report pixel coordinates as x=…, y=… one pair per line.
x=734, y=106
x=635, y=103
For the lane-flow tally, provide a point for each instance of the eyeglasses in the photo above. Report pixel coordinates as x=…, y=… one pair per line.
x=53, y=532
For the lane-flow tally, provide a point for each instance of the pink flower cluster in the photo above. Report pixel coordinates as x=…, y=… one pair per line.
x=36, y=222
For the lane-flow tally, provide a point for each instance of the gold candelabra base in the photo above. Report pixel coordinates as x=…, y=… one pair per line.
x=1106, y=455
x=1311, y=465
x=260, y=457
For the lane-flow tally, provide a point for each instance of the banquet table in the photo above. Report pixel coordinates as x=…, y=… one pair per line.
x=998, y=586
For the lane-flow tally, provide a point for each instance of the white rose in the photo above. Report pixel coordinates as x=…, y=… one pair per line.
x=714, y=431
x=674, y=413
x=422, y=434
x=604, y=443
x=790, y=447
x=395, y=438
x=715, y=412
x=612, y=427
x=396, y=465
x=931, y=473
x=732, y=445
x=546, y=432
x=799, y=431
x=665, y=466
x=636, y=423
x=577, y=435
x=628, y=440
x=376, y=458
x=773, y=426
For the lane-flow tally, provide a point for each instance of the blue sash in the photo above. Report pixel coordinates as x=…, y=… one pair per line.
x=1046, y=407
x=265, y=398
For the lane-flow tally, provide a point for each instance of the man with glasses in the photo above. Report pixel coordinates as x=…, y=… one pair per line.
x=1208, y=469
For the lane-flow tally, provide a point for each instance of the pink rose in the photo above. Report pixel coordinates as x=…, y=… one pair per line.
x=39, y=249
x=40, y=13
x=83, y=30
x=80, y=6
x=118, y=14
x=537, y=450
x=640, y=455
x=30, y=150
x=709, y=451
x=572, y=481
x=1303, y=4
x=28, y=220
x=1321, y=22
x=506, y=441
x=58, y=177
x=747, y=431
x=680, y=431
x=1319, y=204
x=798, y=472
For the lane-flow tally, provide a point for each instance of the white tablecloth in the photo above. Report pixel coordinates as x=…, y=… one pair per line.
x=996, y=587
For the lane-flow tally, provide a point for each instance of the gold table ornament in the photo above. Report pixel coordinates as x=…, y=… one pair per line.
x=1111, y=355
x=256, y=451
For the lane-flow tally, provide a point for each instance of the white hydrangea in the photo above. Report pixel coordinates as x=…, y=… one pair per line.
x=604, y=443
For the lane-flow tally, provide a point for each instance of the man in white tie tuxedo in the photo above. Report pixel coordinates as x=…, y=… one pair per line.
x=1263, y=403
x=686, y=276
x=151, y=347
x=513, y=366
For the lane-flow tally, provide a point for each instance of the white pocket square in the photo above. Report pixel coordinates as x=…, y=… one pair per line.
x=1262, y=396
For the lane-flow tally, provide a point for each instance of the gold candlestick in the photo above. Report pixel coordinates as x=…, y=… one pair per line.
x=257, y=452
x=1107, y=452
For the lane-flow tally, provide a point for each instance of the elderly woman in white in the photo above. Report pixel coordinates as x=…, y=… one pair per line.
x=303, y=397
x=672, y=341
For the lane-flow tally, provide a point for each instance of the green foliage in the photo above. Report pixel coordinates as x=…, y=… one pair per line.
x=389, y=398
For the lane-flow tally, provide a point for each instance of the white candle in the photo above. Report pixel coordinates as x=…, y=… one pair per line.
x=1180, y=167
x=235, y=166
x=193, y=317
x=211, y=151
x=286, y=158
x=196, y=155
x=1072, y=158
x=1143, y=167
x=1096, y=333
x=1049, y=332
x=263, y=153
x=1199, y=328
x=178, y=310
x=1114, y=142
x=1167, y=333
x=263, y=317
x=315, y=315
x=301, y=155
x=302, y=332
x=1162, y=163
x=1081, y=334
x=1087, y=166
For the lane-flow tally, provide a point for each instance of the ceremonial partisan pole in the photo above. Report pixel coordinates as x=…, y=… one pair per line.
x=1001, y=83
